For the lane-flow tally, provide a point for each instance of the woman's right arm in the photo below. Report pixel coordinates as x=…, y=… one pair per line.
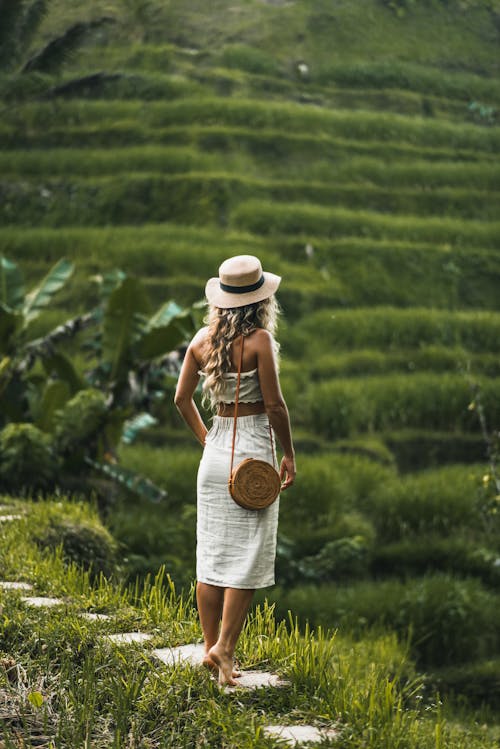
x=186, y=385
x=275, y=405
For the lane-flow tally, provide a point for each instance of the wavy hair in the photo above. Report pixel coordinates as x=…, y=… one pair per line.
x=224, y=326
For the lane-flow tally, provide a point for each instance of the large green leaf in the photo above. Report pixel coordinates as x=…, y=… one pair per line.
x=40, y=297
x=62, y=366
x=134, y=425
x=55, y=395
x=11, y=284
x=123, y=325
x=159, y=341
x=131, y=480
x=33, y=17
x=61, y=49
x=167, y=312
x=10, y=322
x=108, y=282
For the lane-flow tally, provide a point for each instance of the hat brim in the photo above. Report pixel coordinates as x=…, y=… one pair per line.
x=225, y=299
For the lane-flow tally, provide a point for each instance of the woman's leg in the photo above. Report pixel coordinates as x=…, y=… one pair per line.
x=236, y=604
x=210, y=599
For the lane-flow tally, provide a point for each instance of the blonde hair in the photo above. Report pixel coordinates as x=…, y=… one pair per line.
x=224, y=326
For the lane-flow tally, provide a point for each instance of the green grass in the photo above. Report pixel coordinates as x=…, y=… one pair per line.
x=343, y=407
x=393, y=330
x=110, y=693
x=311, y=221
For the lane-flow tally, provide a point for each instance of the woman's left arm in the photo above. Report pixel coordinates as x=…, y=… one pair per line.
x=183, y=399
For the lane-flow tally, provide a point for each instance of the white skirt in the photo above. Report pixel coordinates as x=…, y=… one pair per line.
x=236, y=548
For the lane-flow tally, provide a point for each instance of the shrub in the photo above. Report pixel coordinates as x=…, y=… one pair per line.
x=415, y=449
x=432, y=502
x=478, y=682
x=26, y=458
x=79, y=420
x=340, y=408
x=251, y=59
x=85, y=543
x=391, y=329
x=261, y=217
x=449, y=621
x=431, y=553
x=342, y=559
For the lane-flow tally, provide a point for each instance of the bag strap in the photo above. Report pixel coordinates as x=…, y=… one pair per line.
x=236, y=401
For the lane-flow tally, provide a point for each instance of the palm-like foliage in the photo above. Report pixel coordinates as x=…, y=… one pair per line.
x=83, y=416
x=20, y=21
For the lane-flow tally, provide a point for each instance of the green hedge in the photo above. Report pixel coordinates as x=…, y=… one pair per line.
x=407, y=274
x=340, y=408
x=313, y=221
x=389, y=329
x=405, y=75
x=207, y=197
x=449, y=621
x=71, y=162
x=478, y=682
x=427, y=358
x=415, y=449
x=288, y=117
x=428, y=553
x=437, y=501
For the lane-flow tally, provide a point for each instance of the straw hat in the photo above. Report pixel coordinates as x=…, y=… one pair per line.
x=241, y=281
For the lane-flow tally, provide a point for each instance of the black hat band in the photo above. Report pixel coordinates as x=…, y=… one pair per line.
x=242, y=289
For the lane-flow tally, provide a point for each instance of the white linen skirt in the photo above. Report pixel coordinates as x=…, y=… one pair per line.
x=235, y=548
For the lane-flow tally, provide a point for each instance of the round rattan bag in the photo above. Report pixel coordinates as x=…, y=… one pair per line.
x=254, y=484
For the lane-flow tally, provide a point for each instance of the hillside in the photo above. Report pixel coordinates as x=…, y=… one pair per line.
x=353, y=147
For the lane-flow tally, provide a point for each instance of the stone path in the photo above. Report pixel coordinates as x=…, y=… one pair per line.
x=300, y=734
x=126, y=638
x=42, y=601
x=92, y=616
x=14, y=585
x=189, y=654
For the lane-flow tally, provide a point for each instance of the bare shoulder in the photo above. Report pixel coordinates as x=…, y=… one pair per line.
x=198, y=344
x=263, y=339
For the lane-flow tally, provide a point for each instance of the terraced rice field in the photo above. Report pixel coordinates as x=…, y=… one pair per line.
x=374, y=190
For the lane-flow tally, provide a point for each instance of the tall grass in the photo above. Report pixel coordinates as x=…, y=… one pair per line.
x=390, y=330
x=340, y=408
x=311, y=221
x=288, y=117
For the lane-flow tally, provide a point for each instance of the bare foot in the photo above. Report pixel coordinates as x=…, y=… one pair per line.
x=209, y=663
x=224, y=661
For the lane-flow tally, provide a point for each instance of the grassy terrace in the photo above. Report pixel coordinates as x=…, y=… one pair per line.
x=73, y=687
x=371, y=185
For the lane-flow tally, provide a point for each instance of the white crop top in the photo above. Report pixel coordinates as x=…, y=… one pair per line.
x=250, y=391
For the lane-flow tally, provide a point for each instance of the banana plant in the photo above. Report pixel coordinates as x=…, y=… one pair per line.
x=132, y=353
x=18, y=349
x=20, y=24
x=133, y=347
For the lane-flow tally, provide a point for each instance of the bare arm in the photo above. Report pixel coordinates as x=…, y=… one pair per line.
x=275, y=405
x=183, y=399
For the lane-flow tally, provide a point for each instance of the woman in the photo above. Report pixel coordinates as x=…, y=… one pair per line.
x=236, y=548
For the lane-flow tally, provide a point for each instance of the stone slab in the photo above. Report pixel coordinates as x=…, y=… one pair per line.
x=13, y=585
x=300, y=734
x=7, y=518
x=192, y=654
x=257, y=680
x=94, y=617
x=42, y=601
x=126, y=638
